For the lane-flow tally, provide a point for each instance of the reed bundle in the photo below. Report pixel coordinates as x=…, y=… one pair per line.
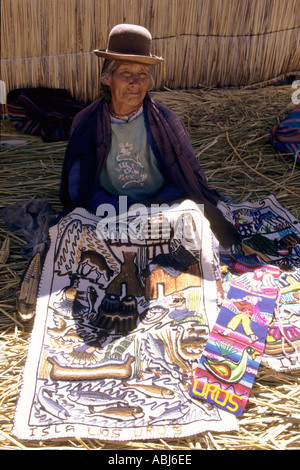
x=5, y=250
x=26, y=296
x=229, y=131
x=206, y=42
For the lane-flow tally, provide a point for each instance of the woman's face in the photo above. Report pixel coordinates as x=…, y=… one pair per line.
x=128, y=84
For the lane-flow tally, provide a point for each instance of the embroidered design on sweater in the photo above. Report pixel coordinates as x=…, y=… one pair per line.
x=129, y=169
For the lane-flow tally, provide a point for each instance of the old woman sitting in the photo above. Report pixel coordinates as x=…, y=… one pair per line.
x=126, y=144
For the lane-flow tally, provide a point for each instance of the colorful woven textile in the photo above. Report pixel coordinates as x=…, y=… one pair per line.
x=259, y=320
x=271, y=237
x=286, y=136
x=120, y=323
x=233, y=353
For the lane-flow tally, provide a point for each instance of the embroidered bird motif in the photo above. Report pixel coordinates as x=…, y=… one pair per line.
x=230, y=371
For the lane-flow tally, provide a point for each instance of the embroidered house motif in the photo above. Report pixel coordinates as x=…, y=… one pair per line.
x=174, y=272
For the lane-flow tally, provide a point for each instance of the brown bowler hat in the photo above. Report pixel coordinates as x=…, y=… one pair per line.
x=129, y=42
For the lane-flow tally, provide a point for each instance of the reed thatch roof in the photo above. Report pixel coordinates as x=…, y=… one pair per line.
x=204, y=42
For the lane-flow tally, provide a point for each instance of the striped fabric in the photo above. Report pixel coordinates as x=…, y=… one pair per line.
x=42, y=111
x=286, y=136
x=21, y=121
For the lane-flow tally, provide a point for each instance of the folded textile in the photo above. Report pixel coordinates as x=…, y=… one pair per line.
x=286, y=136
x=271, y=237
x=45, y=112
x=235, y=347
x=31, y=219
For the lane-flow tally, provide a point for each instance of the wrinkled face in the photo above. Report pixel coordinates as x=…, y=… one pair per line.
x=128, y=84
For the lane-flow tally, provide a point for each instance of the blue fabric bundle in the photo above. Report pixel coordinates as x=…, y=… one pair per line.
x=286, y=136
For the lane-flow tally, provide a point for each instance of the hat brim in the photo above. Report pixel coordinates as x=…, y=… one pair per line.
x=143, y=59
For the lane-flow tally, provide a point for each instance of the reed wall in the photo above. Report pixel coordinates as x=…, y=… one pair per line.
x=204, y=42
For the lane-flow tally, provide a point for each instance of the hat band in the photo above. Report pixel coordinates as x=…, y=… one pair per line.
x=108, y=51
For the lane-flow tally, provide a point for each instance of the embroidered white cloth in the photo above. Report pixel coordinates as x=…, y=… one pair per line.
x=120, y=323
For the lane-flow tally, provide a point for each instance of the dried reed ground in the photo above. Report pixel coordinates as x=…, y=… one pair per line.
x=229, y=130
